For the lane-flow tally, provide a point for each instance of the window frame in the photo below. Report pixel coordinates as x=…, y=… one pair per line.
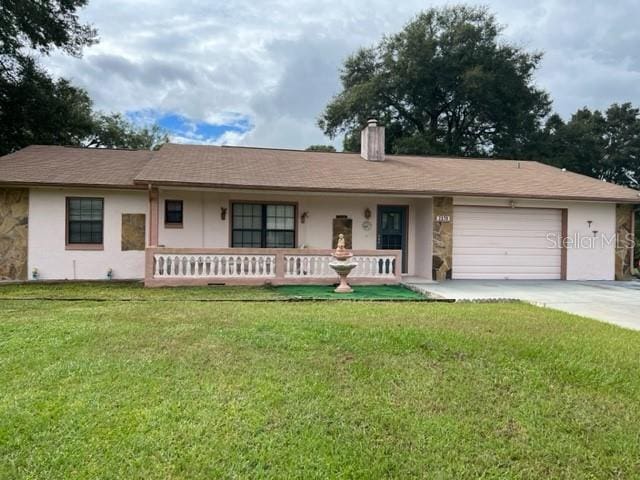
x=263, y=229
x=169, y=224
x=69, y=245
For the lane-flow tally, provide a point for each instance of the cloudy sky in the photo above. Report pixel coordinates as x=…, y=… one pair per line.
x=259, y=72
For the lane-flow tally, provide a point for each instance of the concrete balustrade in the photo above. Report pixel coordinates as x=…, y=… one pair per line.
x=254, y=266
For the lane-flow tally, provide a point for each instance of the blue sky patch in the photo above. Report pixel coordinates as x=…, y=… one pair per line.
x=183, y=129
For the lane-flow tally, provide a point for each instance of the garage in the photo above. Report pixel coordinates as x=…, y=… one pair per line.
x=506, y=243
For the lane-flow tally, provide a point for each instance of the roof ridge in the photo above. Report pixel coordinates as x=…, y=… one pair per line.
x=249, y=147
x=393, y=155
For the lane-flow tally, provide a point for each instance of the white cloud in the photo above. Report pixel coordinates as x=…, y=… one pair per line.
x=276, y=61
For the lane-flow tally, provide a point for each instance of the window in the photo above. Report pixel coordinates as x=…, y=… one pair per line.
x=260, y=225
x=247, y=225
x=173, y=213
x=85, y=220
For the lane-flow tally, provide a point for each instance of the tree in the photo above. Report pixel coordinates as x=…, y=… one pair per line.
x=114, y=131
x=320, y=148
x=602, y=145
x=35, y=109
x=42, y=25
x=444, y=84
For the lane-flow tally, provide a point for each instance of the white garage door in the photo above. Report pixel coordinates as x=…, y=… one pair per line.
x=505, y=243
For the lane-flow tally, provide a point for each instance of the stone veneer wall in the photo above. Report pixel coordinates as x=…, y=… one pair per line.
x=442, y=238
x=14, y=219
x=624, y=243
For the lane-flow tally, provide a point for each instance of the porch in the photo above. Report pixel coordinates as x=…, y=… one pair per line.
x=208, y=236
x=166, y=266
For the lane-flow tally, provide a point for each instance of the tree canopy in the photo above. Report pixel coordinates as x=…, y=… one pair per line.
x=35, y=108
x=320, y=148
x=445, y=84
x=42, y=25
x=115, y=131
x=602, y=145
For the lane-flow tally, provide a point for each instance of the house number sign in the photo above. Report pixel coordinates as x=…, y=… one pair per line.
x=443, y=218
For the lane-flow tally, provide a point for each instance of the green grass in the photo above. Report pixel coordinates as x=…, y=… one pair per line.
x=182, y=389
x=136, y=291
x=132, y=291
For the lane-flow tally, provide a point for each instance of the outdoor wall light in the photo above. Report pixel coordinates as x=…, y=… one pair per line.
x=223, y=213
x=367, y=213
x=303, y=217
x=110, y=273
x=34, y=274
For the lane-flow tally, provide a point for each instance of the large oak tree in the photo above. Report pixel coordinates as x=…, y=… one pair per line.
x=445, y=84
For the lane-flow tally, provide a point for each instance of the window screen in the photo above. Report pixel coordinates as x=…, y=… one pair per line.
x=85, y=220
x=259, y=225
x=280, y=227
x=173, y=212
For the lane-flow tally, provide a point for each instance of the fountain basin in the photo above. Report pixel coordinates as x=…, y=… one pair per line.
x=343, y=268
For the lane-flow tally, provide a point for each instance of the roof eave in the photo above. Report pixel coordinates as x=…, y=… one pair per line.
x=136, y=187
x=161, y=183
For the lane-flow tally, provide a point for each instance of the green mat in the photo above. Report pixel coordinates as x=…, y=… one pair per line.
x=368, y=292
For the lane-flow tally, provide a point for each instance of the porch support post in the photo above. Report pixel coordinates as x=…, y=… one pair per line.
x=442, y=238
x=624, y=241
x=154, y=212
x=279, y=280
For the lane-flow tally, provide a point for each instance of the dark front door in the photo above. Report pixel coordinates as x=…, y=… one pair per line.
x=392, y=230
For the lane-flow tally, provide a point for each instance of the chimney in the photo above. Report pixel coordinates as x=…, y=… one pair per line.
x=372, y=142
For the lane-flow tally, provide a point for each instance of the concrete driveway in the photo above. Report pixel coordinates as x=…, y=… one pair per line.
x=613, y=302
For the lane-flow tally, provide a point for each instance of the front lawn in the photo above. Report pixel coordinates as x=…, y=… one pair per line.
x=188, y=389
x=135, y=291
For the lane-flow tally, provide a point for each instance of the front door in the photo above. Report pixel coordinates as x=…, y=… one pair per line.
x=392, y=230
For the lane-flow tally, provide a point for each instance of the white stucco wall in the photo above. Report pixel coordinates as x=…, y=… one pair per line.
x=47, y=224
x=203, y=227
x=594, y=257
x=314, y=233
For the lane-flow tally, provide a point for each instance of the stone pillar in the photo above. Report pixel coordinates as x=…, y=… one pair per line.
x=14, y=221
x=442, y=237
x=624, y=241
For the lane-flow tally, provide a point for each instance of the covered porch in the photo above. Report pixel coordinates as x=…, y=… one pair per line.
x=215, y=236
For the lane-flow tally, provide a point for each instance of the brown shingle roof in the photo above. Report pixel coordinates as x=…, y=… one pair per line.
x=271, y=169
x=241, y=167
x=54, y=165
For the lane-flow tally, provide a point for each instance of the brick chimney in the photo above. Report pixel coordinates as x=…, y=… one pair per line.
x=372, y=142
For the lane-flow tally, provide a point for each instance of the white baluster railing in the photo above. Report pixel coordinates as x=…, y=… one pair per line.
x=197, y=266
x=214, y=266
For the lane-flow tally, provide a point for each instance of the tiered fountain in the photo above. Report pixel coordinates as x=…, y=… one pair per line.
x=342, y=265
